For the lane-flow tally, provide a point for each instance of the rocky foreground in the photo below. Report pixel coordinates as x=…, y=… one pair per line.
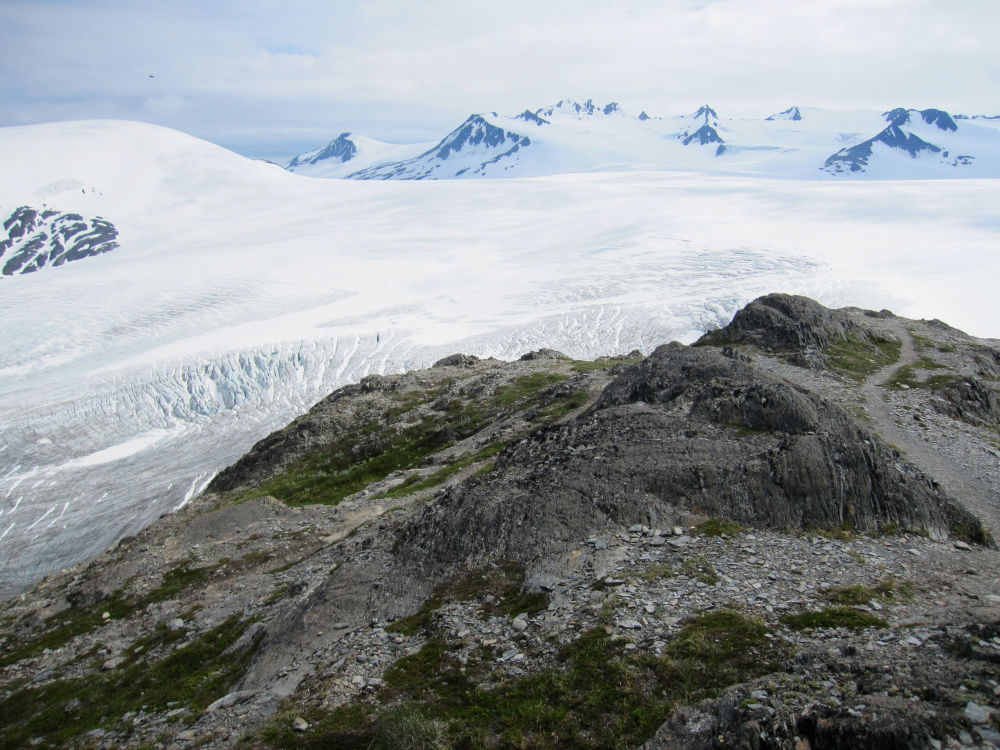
x=781, y=537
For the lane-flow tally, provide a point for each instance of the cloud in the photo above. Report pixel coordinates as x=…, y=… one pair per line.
x=415, y=68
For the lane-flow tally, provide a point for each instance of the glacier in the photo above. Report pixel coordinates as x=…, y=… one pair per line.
x=241, y=293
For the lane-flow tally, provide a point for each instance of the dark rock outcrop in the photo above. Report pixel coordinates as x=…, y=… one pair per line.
x=39, y=238
x=543, y=354
x=457, y=360
x=787, y=323
x=340, y=149
x=970, y=400
x=685, y=431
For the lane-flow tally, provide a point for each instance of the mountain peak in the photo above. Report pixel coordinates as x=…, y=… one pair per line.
x=896, y=136
x=792, y=113
x=938, y=117
x=573, y=107
x=340, y=149
x=706, y=112
x=529, y=116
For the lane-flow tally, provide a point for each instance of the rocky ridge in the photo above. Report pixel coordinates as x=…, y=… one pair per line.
x=40, y=237
x=446, y=555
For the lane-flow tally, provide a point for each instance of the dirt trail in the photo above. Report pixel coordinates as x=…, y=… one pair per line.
x=925, y=454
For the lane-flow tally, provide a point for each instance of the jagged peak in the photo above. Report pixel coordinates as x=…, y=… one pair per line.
x=574, y=107
x=706, y=112
x=938, y=117
x=341, y=148
x=898, y=116
x=792, y=113
x=529, y=116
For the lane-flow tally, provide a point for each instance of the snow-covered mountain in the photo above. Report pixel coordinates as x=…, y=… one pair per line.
x=702, y=131
x=570, y=136
x=241, y=293
x=468, y=150
x=910, y=132
x=347, y=154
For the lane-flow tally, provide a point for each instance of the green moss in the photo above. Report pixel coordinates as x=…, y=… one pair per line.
x=605, y=363
x=654, y=572
x=193, y=675
x=174, y=581
x=63, y=627
x=718, y=527
x=971, y=533
x=74, y=621
x=562, y=405
x=601, y=696
x=498, y=586
x=371, y=452
x=858, y=358
x=888, y=590
x=907, y=376
x=699, y=568
x=834, y=617
x=527, y=385
x=717, y=649
x=439, y=476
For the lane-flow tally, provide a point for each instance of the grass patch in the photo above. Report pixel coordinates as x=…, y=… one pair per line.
x=371, y=452
x=837, y=535
x=718, y=527
x=699, y=568
x=193, y=675
x=563, y=405
x=527, y=385
x=604, y=363
x=74, y=621
x=602, y=696
x=888, y=591
x=409, y=487
x=654, y=572
x=858, y=358
x=834, y=617
x=907, y=376
x=499, y=586
x=717, y=649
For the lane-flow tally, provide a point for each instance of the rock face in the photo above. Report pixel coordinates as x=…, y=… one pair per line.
x=685, y=431
x=971, y=400
x=783, y=322
x=789, y=324
x=340, y=149
x=40, y=238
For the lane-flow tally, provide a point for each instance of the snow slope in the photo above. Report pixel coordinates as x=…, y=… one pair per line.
x=797, y=143
x=241, y=293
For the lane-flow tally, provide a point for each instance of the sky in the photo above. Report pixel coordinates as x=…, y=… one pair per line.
x=270, y=79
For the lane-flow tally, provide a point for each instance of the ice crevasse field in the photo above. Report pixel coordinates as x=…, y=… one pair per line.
x=241, y=293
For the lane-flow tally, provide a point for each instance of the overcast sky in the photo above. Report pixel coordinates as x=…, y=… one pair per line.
x=270, y=78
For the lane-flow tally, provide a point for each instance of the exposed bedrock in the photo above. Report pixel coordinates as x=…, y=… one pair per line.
x=685, y=431
x=787, y=323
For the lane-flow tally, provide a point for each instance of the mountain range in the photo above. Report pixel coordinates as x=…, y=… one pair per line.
x=583, y=137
